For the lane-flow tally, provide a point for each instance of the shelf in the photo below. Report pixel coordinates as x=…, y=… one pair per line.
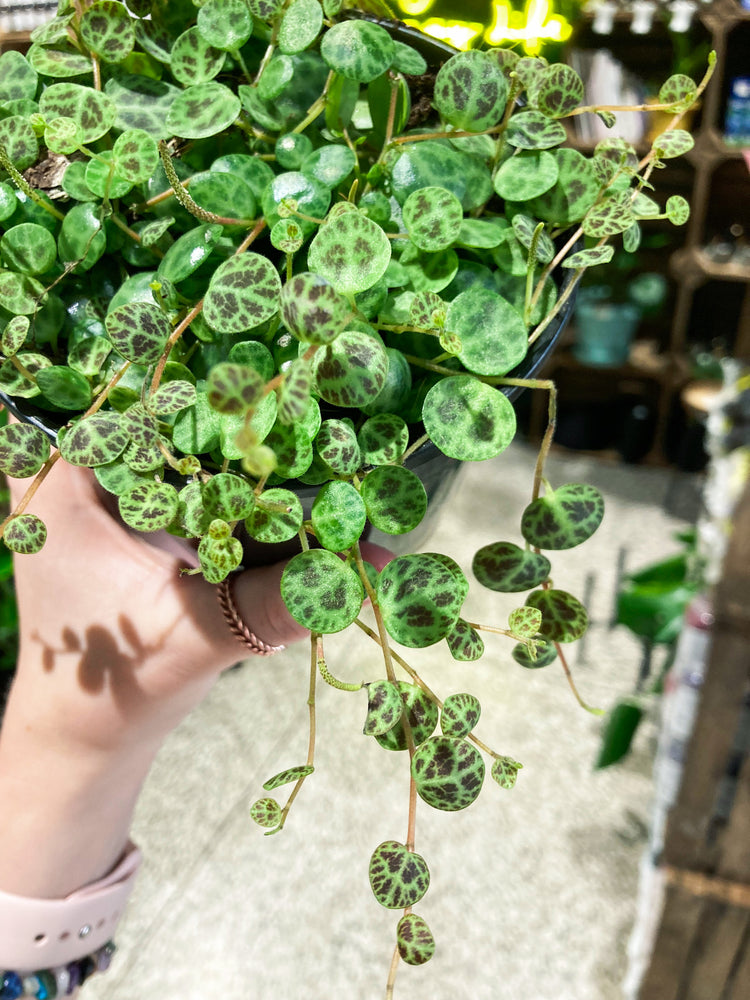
x=695, y=265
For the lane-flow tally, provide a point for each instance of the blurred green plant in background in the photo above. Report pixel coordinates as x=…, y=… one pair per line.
x=8, y=610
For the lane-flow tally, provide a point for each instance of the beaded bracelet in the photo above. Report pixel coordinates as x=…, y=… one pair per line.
x=64, y=980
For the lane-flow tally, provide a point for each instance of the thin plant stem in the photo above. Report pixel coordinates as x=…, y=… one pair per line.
x=391, y=982
x=415, y=447
x=173, y=338
x=311, y=740
x=573, y=688
x=390, y=673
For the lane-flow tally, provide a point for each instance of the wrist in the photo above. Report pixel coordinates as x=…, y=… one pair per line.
x=69, y=808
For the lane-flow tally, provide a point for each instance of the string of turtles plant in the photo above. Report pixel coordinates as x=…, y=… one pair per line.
x=235, y=258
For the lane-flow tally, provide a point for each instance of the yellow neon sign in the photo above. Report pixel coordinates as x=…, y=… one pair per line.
x=532, y=26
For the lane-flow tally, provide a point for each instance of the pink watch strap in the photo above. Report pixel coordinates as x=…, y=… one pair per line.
x=43, y=933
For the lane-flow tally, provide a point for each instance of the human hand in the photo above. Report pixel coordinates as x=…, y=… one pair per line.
x=117, y=646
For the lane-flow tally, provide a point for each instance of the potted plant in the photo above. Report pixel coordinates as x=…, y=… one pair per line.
x=255, y=248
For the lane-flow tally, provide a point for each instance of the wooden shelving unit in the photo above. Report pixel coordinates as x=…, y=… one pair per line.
x=718, y=192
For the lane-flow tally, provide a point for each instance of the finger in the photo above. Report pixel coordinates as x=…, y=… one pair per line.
x=376, y=555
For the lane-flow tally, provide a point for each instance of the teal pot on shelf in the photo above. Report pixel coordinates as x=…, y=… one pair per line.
x=604, y=329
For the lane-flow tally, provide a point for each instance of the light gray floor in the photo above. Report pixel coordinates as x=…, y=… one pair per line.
x=533, y=890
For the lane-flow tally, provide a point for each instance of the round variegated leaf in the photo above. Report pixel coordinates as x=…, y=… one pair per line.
x=419, y=600
x=678, y=209
x=398, y=877
x=287, y=776
x=331, y=164
x=590, y=257
x=300, y=26
x=244, y=292
x=95, y=440
x=18, y=79
x=64, y=387
x=631, y=239
x=203, y=110
x=460, y=714
x=609, y=217
x=102, y=181
x=233, y=388
x=448, y=773
x=20, y=294
x=28, y=248
x=25, y=534
x=287, y=235
x=505, y=770
x=492, y=333
x=292, y=446
x=428, y=311
x=527, y=174
x=23, y=450
x=357, y=50
x=384, y=707
x=525, y=622
x=193, y=60
x=63, y=135
x=117, y=477
x=92, y=110
x=336, y=443
x=467, y=419
x=433, y=217
x=107, y=29
x=313, y=310
x=414, y=939
x=171, y=397
x=311, y=197
x=544, y=654
x=395, y=499
x=533, y=130
x=407, y=60
x=678, y=91
x=276, y=517
x=228, y=497
x=225, y=24
x=16, y=384
x=320, y=591
x=139, y=331
x=14, y=335
x=142, y=102
x=294, y=393
x=218, y=552
x=266, y=812
x=149, y=507
x=188, y=252
x=352, y=370
x=559, y=90
x=59, y=62
x=19, y=140
x=144, y=457
x=471, y=91
x=421, y=713
x=383, y=439
x=135, y=155
x=564, y=618
x=504, y=567
x=338, y=516
x=675, y=142
x=350, y=250
x=563, y=518
x=464, y=642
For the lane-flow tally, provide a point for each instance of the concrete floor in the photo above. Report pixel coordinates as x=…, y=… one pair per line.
x=533, y=890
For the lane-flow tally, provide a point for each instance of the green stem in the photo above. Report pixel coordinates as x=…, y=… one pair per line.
x=311, y=741
x=573, y=688
x=326, y=674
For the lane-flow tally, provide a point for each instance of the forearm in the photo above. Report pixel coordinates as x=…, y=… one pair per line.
x=67, y=810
